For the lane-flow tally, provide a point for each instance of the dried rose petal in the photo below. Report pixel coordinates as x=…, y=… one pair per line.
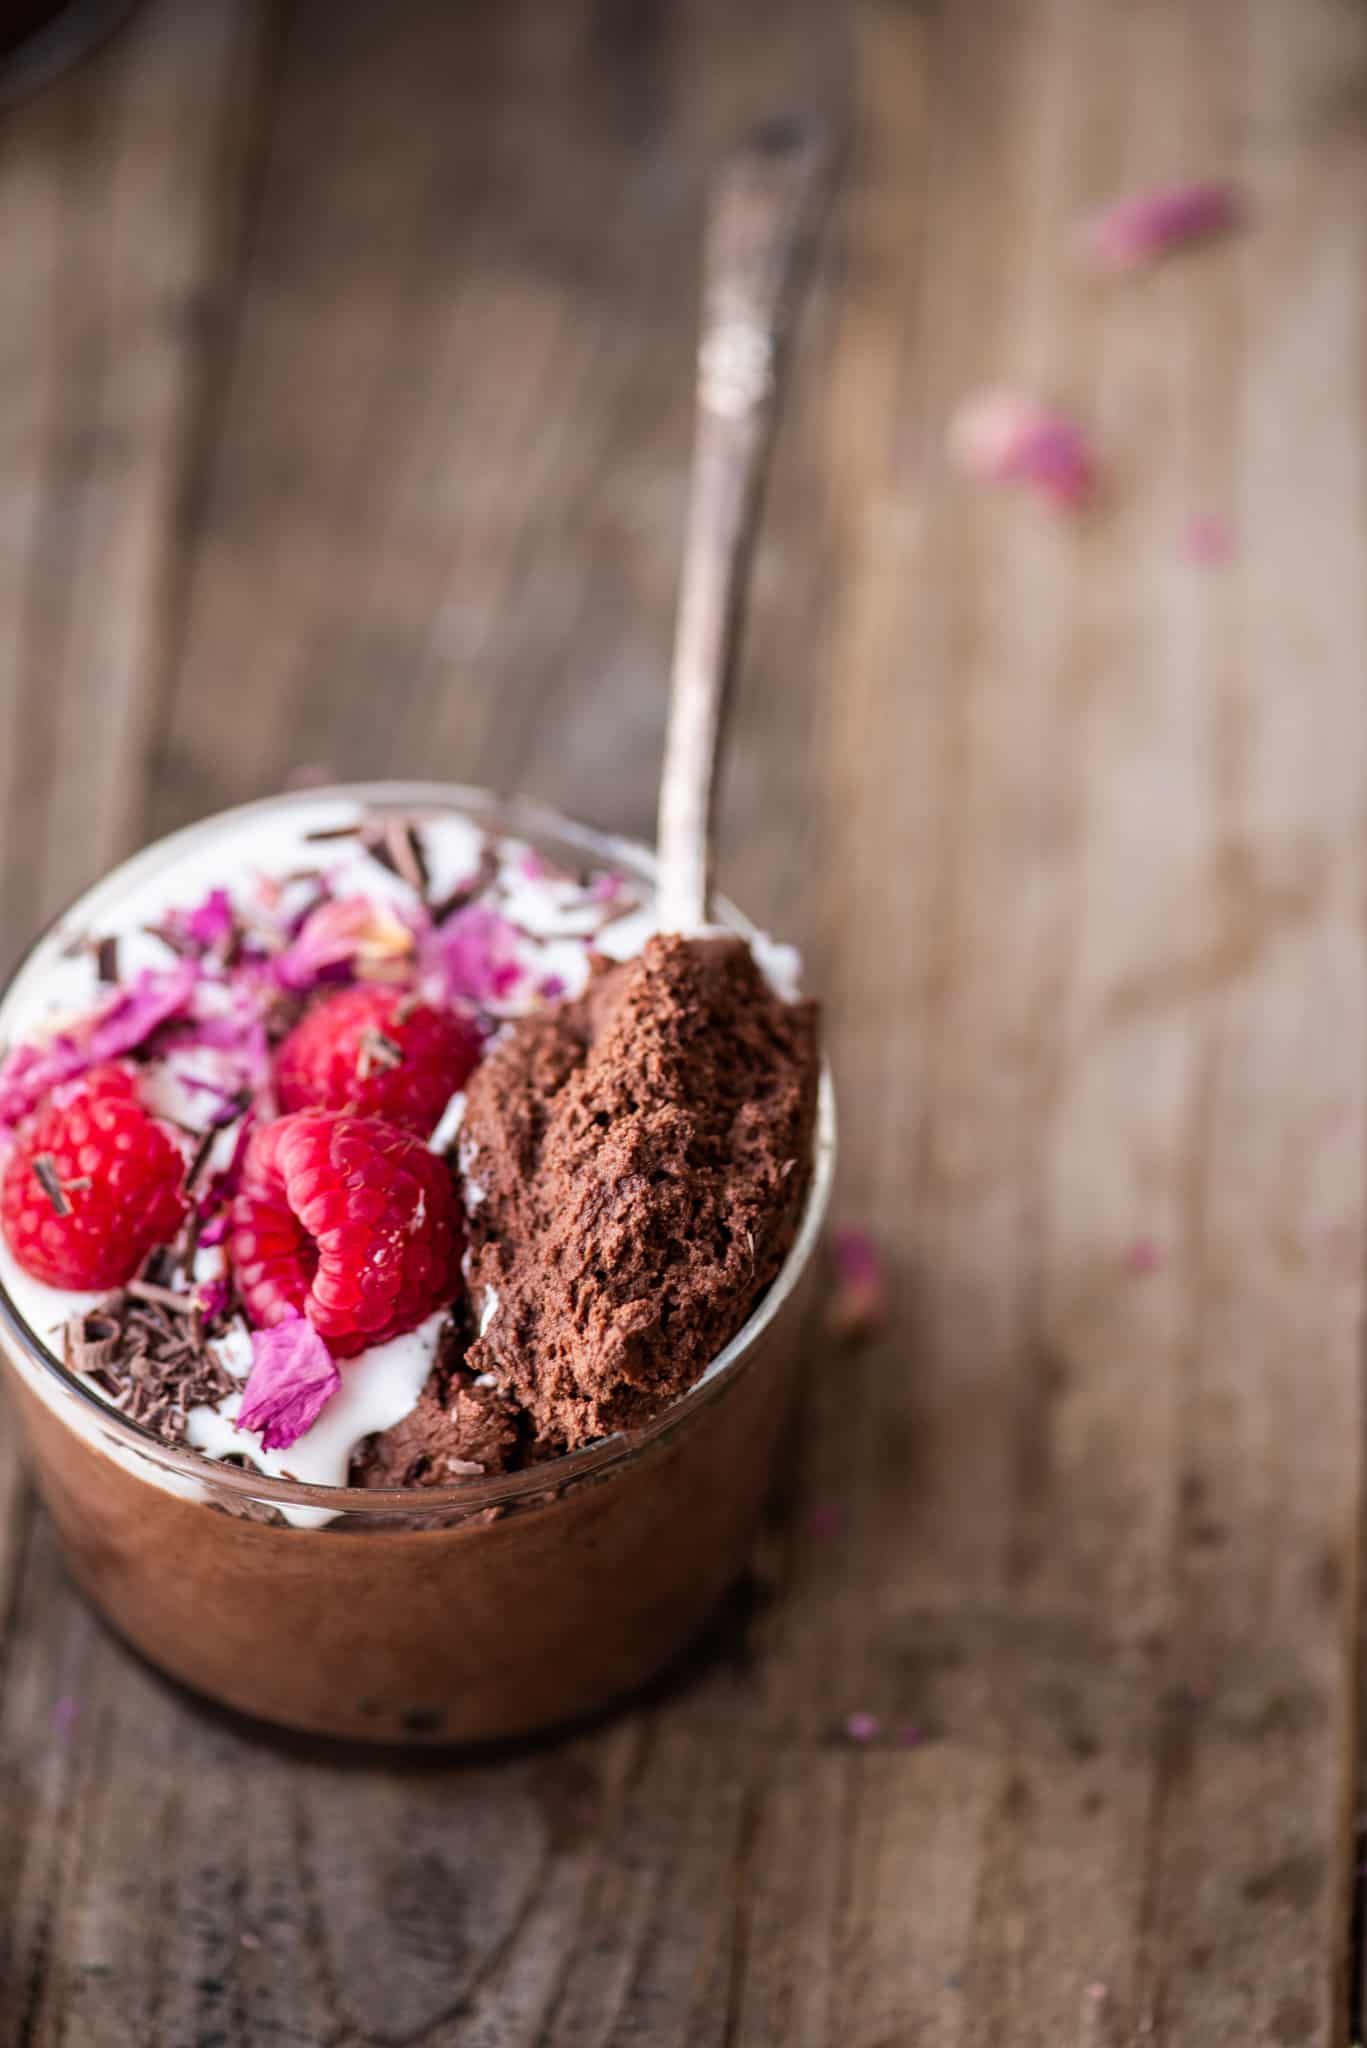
x=862, y=1727
x=859, y=1302
x=120, y=1026
x=355, y=932
x=1143, y=226
x=293, y=1376
x=1207, y=541
x=1005, y=437
x=205, y=925
x=472, y=956
x=824, y=1520
x=212, y=1297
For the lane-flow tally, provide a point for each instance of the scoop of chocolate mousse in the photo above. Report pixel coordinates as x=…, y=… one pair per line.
x=457, y=1430
x=641, y=1155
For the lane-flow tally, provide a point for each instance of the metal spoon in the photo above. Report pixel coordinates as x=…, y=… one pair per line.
x=764, y=209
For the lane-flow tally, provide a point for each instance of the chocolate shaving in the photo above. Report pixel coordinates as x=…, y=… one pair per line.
x=162, y=1297
x=478, y=884
x=45, y=1173
x=376, y=1050
x=620, y=907
x=179, y=943
x=144, y=1345
x=198, y=1158
x=394, y=842
x=107, y=959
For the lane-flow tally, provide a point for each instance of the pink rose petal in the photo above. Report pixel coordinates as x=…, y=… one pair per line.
x=204, y=926
x=1143, y=226
x=352, y=932
x=65, y=1717
x=862, y=1727
x=119, y=1026
x=293, y=1376
x=859, y=1302
x=212, y=1296
x=1207, y=541
x=310, y=775
x=1006, y=437
x=472, y=956
x=150, y=1000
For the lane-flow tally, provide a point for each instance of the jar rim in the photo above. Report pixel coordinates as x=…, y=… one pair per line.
x=539, y=823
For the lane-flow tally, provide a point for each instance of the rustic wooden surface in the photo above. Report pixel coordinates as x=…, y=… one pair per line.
x=344, y=375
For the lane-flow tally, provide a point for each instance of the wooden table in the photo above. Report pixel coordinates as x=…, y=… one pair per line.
x=344, y=409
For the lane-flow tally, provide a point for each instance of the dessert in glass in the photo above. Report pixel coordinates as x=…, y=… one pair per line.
x=404, y=1254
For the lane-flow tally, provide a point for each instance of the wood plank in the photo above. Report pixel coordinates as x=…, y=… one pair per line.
x=1139, y=969
x=103, y=321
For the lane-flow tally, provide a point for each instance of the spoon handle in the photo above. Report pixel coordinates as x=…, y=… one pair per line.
x=764, y=208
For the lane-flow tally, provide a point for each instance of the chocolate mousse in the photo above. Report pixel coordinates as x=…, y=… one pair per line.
x=460, y=1427
x=637, y=1160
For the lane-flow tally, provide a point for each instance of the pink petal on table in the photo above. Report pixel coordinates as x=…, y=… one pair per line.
x=1206, y=541
x=293, y=1376
x=66, y=1714
x=859, y=1302
x=1143, y=1257
x=862, y=1727
x=1006, y=437
x=1143, y=226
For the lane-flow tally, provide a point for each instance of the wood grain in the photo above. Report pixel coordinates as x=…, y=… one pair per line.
x=1072, y=830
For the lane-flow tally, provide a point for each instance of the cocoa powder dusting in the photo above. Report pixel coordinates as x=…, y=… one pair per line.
x=643, y=1153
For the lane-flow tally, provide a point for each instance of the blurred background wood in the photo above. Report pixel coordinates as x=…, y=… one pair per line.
x=344, y=402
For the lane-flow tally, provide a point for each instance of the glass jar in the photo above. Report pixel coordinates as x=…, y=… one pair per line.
x=487, y=1608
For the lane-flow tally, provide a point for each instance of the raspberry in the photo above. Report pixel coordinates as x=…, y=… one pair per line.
x=377, y=1052
x=92, y=1185
x=346, y=1220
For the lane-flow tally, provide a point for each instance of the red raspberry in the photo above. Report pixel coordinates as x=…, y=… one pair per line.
x=92, y=1186
x=346, y=1220
x=377, y=1052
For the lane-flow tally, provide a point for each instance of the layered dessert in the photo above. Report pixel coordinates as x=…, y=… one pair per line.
x=369, y=1153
